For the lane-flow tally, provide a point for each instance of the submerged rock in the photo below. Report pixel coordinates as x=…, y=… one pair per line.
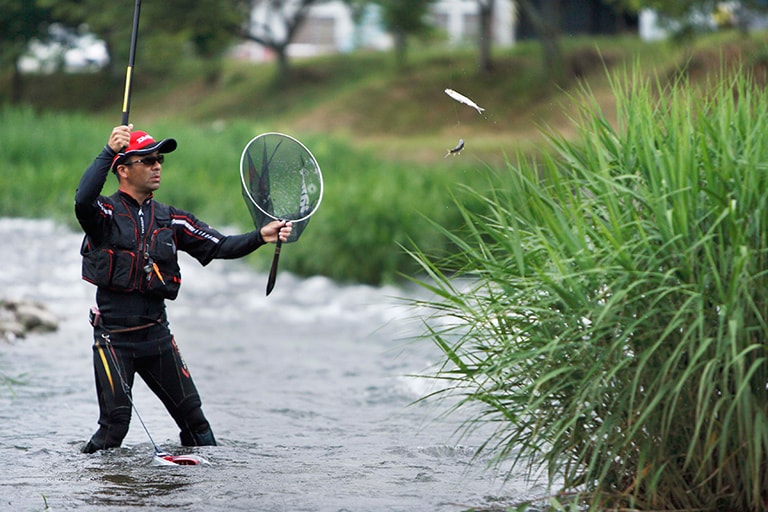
x=20, y=317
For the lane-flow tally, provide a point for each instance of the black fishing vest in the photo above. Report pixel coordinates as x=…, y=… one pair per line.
x=135, y=255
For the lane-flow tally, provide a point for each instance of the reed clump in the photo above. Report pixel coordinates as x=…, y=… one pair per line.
x=608, y=304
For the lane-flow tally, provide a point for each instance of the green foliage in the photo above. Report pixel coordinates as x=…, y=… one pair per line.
x=406, y=16
x=404, y=19
x=370, y=205
x=167, y=30
x=379, y=138
x=609, y=304
x=20, y=22
x=360, y=95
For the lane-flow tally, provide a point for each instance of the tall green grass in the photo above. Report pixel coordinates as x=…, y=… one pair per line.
x=370, y=206
x=614, y=317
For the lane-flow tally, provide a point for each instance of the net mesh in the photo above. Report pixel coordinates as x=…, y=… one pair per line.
x=280, y=180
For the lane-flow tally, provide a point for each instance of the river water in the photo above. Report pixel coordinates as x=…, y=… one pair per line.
x=308, y=391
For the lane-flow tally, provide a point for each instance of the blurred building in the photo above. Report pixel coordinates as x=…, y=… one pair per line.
x=65, y=50
x=329, y=28
x=460, y=21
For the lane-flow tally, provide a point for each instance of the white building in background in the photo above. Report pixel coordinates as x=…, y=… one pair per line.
x=329, y=28
x=460, y=20
x=72, y=52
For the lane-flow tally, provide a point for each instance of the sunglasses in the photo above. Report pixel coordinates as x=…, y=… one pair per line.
x=149, y=161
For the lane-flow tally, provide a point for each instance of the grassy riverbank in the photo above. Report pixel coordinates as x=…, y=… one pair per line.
x=380, y=136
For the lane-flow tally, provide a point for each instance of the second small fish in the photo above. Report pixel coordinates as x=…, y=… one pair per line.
x=455, y=151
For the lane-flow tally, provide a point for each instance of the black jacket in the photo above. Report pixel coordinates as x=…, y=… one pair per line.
x=130, y=249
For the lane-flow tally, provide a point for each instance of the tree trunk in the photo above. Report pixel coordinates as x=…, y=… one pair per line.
x=17, y=84
x=485, y=63
x=545, y=24
x=401, y=48
x=282, y=63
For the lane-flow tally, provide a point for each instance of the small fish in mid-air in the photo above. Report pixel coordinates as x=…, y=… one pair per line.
x=455, y=151
x=463, y=99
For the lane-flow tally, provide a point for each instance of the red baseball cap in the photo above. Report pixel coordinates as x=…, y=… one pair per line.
x=143, y=143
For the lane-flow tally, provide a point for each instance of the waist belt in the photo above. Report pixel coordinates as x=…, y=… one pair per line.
x=127, y=323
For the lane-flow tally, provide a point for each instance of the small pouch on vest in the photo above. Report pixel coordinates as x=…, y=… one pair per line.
x=110, y=268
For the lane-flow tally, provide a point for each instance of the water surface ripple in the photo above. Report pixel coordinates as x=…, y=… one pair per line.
x=307, y=390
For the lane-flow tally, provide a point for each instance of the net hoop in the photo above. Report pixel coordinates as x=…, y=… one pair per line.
x=247, y=189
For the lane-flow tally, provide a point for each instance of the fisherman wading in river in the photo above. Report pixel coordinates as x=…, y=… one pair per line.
x=130, y=254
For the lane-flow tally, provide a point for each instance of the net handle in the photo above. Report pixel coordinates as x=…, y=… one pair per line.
x=248, y=191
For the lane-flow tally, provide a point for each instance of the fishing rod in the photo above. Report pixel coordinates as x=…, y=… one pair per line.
x=131, y=62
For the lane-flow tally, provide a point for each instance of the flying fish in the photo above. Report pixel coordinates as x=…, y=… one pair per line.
x=456, y=150
x=463, y=99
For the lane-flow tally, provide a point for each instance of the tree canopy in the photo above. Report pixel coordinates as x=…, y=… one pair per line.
x=20, y=23
x=273, y=24
x=204, y=29
x=404, y=18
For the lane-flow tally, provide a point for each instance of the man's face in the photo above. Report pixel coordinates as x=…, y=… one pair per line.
x=142, y=173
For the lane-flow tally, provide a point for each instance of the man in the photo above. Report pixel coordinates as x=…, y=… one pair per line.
x=130, y=254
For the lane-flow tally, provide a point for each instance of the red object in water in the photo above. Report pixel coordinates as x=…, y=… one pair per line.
x=166, y=459
x=182, y=460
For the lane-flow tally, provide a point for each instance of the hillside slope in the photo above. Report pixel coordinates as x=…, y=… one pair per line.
x=401, y=113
